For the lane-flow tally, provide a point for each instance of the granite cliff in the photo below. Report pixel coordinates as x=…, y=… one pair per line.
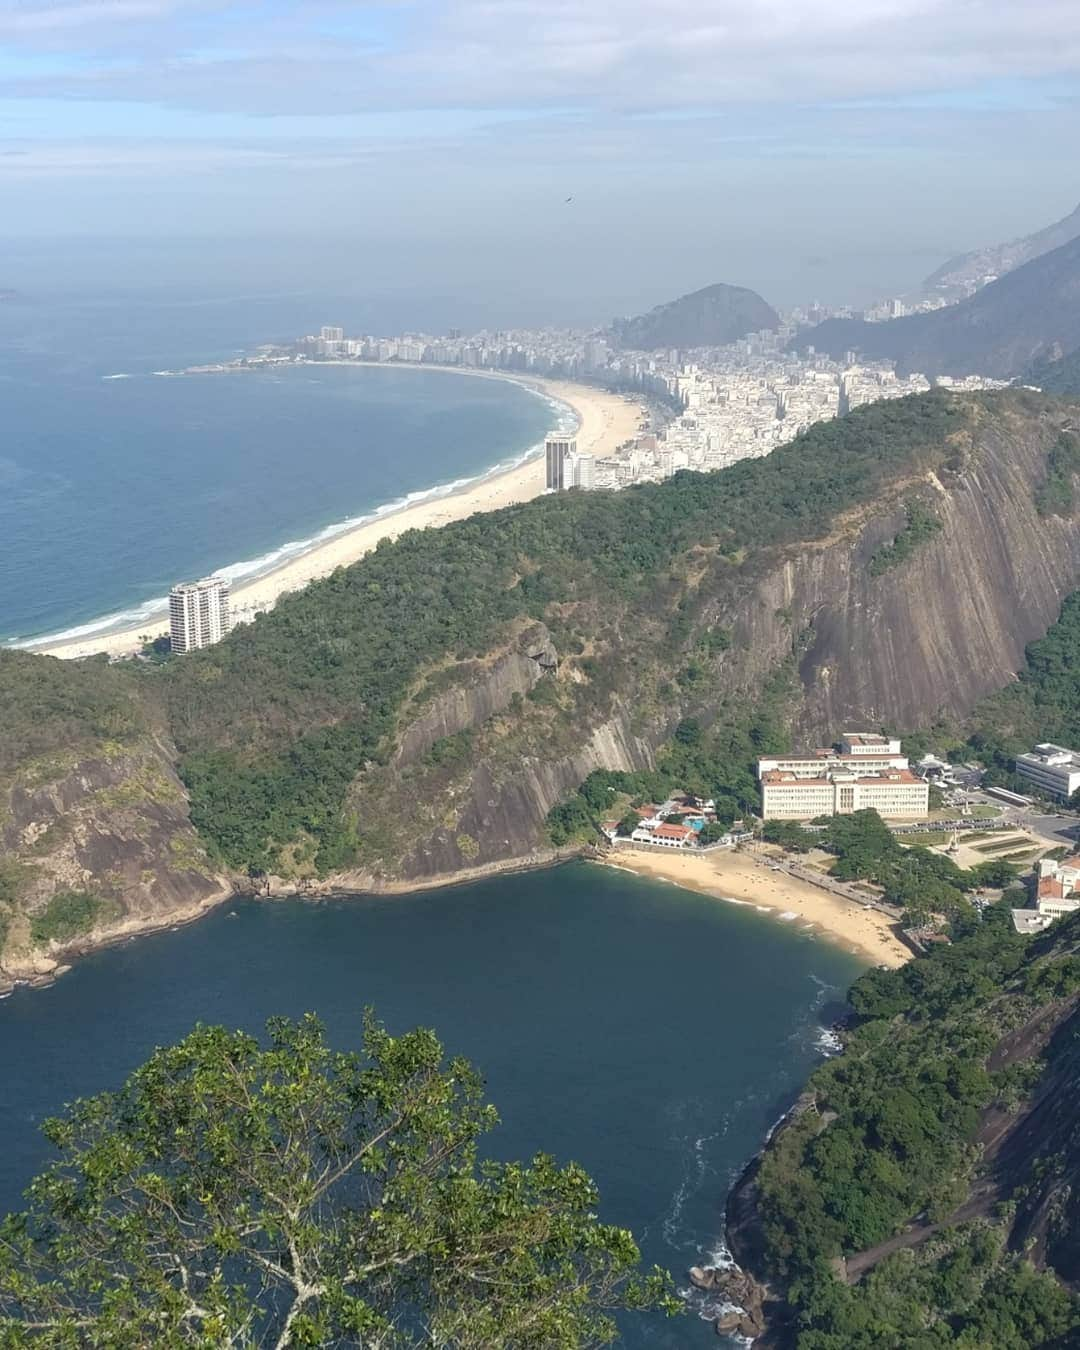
x=414, y=718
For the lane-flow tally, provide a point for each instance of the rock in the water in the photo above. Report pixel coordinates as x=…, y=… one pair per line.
x=702, y=1279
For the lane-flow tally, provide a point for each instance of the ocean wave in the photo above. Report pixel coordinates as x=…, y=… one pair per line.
x=155, y=609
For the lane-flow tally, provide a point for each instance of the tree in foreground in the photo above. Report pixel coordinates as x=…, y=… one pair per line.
x=236, y=1194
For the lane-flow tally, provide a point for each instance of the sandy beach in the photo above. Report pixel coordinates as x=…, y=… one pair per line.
x=605, y=421
x=730, y=874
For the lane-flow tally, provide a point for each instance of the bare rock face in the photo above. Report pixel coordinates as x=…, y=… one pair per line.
x=481, y=689
x=113, y=826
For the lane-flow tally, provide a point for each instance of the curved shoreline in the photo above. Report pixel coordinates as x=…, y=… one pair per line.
x=738, y=878
x=604, y=419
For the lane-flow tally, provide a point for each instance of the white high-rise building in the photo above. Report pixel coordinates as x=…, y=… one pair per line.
x=198, y=613
x=330, y=333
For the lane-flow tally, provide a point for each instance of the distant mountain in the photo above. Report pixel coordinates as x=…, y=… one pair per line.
x=1056, y=374
x=999, y=331
x=997, y=259
x=711, y=317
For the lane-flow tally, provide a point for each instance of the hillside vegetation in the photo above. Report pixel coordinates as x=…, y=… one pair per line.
x=420, y=712
x=711, y=317
x=919, y=1198
x=274, y=723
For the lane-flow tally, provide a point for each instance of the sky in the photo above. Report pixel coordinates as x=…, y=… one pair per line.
x=834, y=149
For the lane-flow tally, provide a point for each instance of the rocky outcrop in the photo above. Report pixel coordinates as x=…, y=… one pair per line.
x=503, y=811
x=112, y=825
x=481, y=690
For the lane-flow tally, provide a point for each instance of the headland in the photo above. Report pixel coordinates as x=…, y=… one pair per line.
x=604, y=421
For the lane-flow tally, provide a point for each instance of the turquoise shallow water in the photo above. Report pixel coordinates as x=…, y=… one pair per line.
x=652, y=1034
x=111, y=488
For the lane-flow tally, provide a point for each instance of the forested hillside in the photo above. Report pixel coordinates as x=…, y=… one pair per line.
x=920, y=1195
x=274, y=724
x=711, y=317
x=416, y=716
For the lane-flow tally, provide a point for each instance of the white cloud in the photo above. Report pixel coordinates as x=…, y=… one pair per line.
x=604, y=54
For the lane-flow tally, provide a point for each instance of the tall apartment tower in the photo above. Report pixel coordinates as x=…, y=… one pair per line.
x=329, y=333
x=559, y=450
x=198, y=613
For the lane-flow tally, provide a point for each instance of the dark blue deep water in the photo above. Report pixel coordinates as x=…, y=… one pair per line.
x=113, y=489
x=649, y=1033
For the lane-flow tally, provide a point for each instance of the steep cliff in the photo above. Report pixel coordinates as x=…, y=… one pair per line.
x=416, y=716
x=94, y=845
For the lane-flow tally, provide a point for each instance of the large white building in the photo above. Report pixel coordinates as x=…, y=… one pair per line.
x=198, y=613
x=1051, y=769
x=867, y=772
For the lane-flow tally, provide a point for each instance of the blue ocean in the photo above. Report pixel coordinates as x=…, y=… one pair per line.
x=116, y=482
x=650, y=1034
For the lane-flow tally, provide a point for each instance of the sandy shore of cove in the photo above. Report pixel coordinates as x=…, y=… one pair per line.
x=736, y=875
x=605, y=421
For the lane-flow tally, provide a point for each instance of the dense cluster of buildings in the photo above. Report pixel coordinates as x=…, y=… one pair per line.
x=731, y=403
x=864, y=772
x=198, y=614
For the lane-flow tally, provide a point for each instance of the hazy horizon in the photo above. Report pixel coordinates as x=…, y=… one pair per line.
x=420, y=148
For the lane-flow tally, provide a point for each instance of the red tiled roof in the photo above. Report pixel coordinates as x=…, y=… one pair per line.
x=672, y=831
x=1051, y=889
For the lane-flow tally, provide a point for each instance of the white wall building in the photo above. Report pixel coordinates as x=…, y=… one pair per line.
x=867, y=772
x=198, y=613
x=1052, y=769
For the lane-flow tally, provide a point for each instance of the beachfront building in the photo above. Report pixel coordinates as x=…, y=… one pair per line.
x=863, y=772
x=560, y=452
x=666, y=836
x=198, y=613
x=1051, y=769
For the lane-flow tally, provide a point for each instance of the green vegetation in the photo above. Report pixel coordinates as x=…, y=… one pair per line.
x=717, y=763
x=1042, y=705
x=233, y=1193
x=53, y=709
x=789, y=834
x=275, y=723
x=921, y=526
x=1056, y=496
x=889, y=1141
x=911, y=876
x=67, y=915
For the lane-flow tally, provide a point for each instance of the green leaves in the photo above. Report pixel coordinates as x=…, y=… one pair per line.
x=238, y=1193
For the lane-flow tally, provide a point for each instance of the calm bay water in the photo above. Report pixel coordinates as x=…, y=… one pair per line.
x=649, y=1033
x=111, y=488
